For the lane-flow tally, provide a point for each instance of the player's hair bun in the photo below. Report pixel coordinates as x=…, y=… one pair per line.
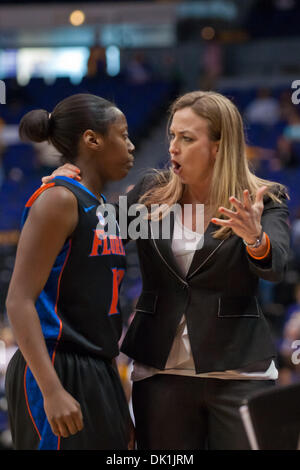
x=35, y=126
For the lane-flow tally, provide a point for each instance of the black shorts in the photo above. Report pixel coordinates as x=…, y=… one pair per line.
x=93, y=382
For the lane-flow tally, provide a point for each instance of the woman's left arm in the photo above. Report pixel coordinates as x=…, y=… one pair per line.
x=268, y=261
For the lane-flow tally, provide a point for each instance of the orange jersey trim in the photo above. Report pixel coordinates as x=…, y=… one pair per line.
x=28, y=407
x=37, y=193
x=266, y=253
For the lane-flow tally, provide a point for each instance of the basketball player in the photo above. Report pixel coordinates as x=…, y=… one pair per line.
x=63, y=389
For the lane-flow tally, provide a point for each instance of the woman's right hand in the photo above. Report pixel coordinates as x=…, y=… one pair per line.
x=68, y=169
x=63, y=413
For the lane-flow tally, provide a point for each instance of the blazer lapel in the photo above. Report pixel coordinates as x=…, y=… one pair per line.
x=209, y=247
x=164, y=247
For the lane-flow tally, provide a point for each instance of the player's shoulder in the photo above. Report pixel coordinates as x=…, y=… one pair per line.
x=52, y=196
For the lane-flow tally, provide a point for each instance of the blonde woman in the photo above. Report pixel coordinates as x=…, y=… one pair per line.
x=199, y=339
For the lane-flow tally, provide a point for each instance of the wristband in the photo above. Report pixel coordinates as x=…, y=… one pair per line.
x=265, y=255
x=257, y=243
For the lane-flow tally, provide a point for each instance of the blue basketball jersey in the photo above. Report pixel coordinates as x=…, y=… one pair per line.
x=79, y=306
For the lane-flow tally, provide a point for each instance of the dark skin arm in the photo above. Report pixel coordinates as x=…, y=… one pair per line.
x=73, y=171
x=51, y=220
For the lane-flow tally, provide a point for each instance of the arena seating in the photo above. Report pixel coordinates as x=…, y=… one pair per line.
x=140, y=103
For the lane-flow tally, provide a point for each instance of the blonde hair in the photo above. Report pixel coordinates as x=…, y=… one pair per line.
x=231, y=174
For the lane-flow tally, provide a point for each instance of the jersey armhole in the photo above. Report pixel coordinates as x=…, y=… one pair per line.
x=37, y=193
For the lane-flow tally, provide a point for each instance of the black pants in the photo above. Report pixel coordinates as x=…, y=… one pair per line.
x=93, y=382
x=180, y=413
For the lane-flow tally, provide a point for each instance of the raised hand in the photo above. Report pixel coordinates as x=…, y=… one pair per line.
x=246, y=220
x=68, y=169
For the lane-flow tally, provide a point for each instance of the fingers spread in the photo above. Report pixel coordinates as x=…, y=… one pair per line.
x=236, y=203
x=247, y=200
x=228, y=212
x=260, y=194
x=224, y=222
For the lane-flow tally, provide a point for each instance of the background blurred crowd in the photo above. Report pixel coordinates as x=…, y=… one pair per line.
x=251, y=59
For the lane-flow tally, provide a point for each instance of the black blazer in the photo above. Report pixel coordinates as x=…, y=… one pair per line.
x=226, y=325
